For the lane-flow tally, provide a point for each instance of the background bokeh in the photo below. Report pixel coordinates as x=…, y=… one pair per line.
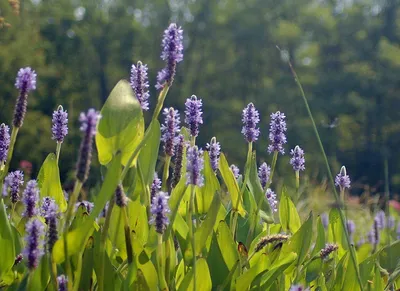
x=346, y=53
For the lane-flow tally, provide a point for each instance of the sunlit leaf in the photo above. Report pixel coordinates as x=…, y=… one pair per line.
x=288, y=216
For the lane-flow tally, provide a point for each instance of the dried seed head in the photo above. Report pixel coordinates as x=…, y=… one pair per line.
x=269, y=240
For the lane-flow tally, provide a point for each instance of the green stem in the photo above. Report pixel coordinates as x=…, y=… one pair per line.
x=70, y=211
x=146, y=191
x=242, y=189
x=387, y=197
x=160, y=260
x=53, y=272
x=273, y=165
x=4, y=171
x=297, y=181
x=58, y=150
x=127, y=230
x=103, y=240
x=192, y=232
x=78, y=272
x=166, y=173
x=160, y=102
x=342, y=218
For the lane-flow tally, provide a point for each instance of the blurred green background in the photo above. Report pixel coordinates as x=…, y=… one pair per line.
x=346, y=53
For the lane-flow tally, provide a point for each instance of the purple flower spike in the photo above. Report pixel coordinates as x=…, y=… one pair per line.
x=25, y=82
x=14, y=180
x=195, y=164
x=298, y=287
x=30, y=199
x=170, y=129
x=391, y=221
x=263, y=174
x=172, y=53
x=62, y=283
x=178, y=160
x=351, y=226
x=4, y=142
x=34, y=243
x=155, y=186
x=297, y=161
x=160, y=210
x=250, y=118
x=140, y=84
x=271, y=197
x=214, y=149
x=50, y=213
x=120, y=198
x=88, y=126
x=342, y=180
x=277, y=131
x=325, y=220
x=193, y=114
x=235, y=170
x=60, y=124
x=380, y=219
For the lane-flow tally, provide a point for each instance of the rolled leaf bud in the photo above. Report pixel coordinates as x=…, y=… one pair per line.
x=62, y=283
x=140, y=84
x=277, y=131
x=50, y=211
x=34, y=243
x=59, y=128
x=271, y=198
x=155, y=186
x=250, y=118
x=170, y=129
x=25, y=82
x=193, y=114
x=120, y=197
x=269, y=240
x=297, y=161
x=380, y=219
x=235, y=170
x=195, y=164
x=160, y=210
x=180, y=146
x=14, y=180
x=263, y=174
x=30, y=199
x=4, y=143
x=88, y=127
x=172, y=53
x=342, y=180
x=325, y=252
x=214, y=149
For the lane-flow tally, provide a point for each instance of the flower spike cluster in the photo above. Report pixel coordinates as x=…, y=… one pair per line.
x=89, y=122
x=140, y=84
x=59, y=128
x=277, y=131
x=25, y=82
x=193, y=115
x=329, y=248
x=4, y=142
x=342, y=180
x=120, y=198
x=155, y=186
x=178, y=160
x=160, y=210
x=34, y=243
x=214, y=149
x=170, y=129
x=271, y=197
x=14, y=180
x=172, y=53
x=297, y=161
x=235, y=170
x=62, y=283
x=250, y=118
x=30, y=199
x=195, y=164
x=263, y=174
x=50, y=213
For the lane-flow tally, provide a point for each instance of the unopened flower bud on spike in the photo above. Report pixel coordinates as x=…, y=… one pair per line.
x=214, y=149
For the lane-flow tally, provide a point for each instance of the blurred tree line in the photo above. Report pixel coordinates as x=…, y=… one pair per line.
x=346, y=53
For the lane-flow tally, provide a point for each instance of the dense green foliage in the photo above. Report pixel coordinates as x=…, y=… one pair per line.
x=346, y=52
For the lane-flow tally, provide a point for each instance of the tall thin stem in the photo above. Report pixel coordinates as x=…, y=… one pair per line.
x=160, y=260
x=58, y=150
x=70, y=211
x=192, y=232
x=166, y=173
x=342, y=217
x=160, y=102
x=127, y=230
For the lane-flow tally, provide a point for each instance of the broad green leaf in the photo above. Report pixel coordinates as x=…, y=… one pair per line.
x=366, y=268
x=138, y=220
x=6, y=242
x=300, y=242
x=258, y=192
x=49, y=182
x=277, y=269
x=87, y=269
x=203, y=279
x=121, y=127
x=231, y=184
x=41, y=275
x=77, y=238
x=243, y=282
x=206, y=228
x=378, y=281
x=148, y=154
x=149, y=272
x=116, y=232
x=313, y=270
x=290, y=219
x=218, y=269
x=336, y=232
x=341, y=271
x=350, y=282
x=320, y=241
x=389, y=256
x=211, y=185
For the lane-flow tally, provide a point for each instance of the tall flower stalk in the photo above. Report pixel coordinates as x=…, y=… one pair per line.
x=342, y=180
x=341, y=214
